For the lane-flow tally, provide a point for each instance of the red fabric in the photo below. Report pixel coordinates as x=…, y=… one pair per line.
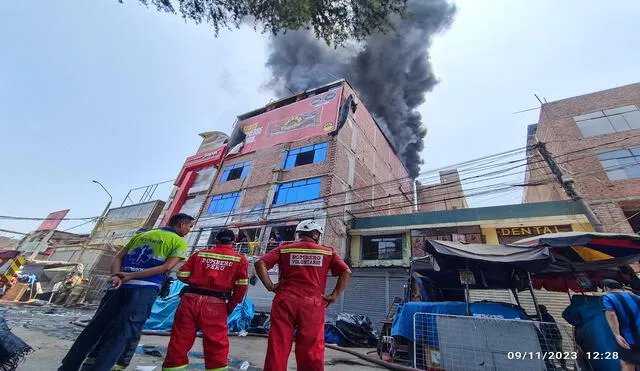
x=304, y=266
x=306, y=314
x=217, y=273
x=207, y=313
x=566, y=283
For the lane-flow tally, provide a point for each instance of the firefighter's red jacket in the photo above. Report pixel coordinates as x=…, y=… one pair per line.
x=218, y=269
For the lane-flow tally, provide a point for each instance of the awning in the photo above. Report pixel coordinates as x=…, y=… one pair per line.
x=587, y=251
x=455, y=255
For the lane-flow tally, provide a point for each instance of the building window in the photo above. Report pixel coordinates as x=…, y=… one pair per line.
x=609, y=121
x=387, y=247
x=621, y=164
x=305, y=155
x=298, y=191
x=236, y=171
x=223, y=203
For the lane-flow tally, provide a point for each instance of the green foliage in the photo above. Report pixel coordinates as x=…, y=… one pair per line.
x=333, y=21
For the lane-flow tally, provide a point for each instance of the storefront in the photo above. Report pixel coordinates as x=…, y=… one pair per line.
x=392, y=241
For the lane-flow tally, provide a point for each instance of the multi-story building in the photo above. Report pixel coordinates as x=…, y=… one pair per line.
x=595, y=138
x=318, y=154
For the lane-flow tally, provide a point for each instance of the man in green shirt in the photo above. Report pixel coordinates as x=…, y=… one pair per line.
x=137, y=275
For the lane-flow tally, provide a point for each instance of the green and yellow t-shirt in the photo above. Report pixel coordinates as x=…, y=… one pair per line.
x=151, y=249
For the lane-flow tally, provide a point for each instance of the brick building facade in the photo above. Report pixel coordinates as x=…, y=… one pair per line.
x=596, y=140
x=446, y=195
x=285, y=170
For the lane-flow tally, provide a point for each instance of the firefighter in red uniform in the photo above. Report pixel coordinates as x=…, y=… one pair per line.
x=300, y=299
x=217, y=280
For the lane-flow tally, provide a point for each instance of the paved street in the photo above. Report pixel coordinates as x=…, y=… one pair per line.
x=50, y=332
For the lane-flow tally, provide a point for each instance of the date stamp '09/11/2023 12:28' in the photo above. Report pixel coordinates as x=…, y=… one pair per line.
x=560, y=355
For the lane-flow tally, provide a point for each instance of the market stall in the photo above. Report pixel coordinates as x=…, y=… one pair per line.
x=438, y=297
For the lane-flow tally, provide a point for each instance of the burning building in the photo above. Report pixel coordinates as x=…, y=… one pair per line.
x=318, y=154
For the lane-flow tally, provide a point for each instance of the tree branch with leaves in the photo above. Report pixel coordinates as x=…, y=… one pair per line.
x=334, y=21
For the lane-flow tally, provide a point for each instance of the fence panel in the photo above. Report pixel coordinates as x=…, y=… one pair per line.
x=451, y=342
x=97, y=287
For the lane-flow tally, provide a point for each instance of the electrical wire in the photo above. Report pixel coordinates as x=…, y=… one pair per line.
x=466, y=167
x=79, y=225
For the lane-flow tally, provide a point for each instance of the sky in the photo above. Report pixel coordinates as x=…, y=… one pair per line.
x=119, y=92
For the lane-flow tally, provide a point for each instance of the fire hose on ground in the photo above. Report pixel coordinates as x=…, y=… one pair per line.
x=364, y=357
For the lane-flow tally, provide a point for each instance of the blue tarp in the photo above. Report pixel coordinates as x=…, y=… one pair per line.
x=403, y=320
x=163, y=310
x=593, y=333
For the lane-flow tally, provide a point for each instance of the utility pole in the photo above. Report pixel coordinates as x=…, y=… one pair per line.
x=567, y=183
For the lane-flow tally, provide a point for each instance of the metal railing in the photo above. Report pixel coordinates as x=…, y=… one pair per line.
x=450, y=342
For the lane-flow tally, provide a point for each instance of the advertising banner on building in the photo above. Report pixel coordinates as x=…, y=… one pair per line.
x=307, y=118
x=53, y=220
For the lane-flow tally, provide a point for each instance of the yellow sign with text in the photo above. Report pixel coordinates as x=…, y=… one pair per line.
x=532, y=231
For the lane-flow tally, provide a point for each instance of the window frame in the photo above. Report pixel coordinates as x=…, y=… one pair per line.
x=221, y=197
x=608, y=121
x=315, y=182
x=614, y=168
x=394, y=236
x=319, y=150
x=226, y=172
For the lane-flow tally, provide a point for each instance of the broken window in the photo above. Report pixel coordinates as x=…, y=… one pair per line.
x=236, y=171
x=306, y=155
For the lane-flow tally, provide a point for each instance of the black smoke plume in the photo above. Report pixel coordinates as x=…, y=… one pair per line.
x=391, y=72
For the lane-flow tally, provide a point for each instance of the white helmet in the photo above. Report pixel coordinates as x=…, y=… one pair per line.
x=309, y=226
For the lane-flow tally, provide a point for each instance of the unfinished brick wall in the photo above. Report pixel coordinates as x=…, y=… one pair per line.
x=446, y=195
x=577, y=154
x=380, y=180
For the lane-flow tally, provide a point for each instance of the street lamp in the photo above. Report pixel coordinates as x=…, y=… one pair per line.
x=110, y=198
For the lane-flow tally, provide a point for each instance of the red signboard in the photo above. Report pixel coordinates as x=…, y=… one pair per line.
x=204, y=158
x=53, y=220
x=307, y=118
x=200, y=160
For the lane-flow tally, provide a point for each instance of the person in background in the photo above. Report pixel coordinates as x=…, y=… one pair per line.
x=552, y=337
x=253, y=245
x=138, y=271
x=622, y=310
x=300, y=299
x=279, y=238
x=218, y=281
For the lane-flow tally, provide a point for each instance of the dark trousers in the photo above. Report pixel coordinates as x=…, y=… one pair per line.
x=117, y=323
x=123, y=362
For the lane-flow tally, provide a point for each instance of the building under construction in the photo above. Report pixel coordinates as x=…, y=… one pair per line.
x=318, y=154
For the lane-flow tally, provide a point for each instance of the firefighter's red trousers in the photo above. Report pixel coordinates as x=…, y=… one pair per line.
x=207, y=313
x=306, y=314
